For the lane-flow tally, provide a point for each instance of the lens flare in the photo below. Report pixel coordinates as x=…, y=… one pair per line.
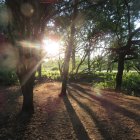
x=28, y=44
x=8, y=56
x=27, y=9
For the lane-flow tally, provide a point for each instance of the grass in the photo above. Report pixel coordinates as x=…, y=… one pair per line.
x=131, y=80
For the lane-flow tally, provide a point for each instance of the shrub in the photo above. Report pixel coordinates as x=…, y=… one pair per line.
x=8, y=77
x=130, y=84
x=104, y=80
x=54, y=69
x=53, y=75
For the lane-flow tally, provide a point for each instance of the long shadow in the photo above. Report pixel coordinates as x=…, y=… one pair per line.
x=113, y=119
x=76, y=123
x=106, y=104
x=81, y=95
x=100, y=126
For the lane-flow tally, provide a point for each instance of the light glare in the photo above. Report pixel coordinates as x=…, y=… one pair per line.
x=51, y=47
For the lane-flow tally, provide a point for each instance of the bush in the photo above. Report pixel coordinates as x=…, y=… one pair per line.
x=104, y=80
x=130, y=84
x=54, y=69
x=8, y=77
x=53, y=75
x=86, y=77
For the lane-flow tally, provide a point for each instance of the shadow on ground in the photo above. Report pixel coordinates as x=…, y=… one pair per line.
x=113, y=126
x=76, y=123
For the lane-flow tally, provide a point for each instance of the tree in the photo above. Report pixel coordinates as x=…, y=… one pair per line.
x=118, y=17
x=29, y=19
x=126, y=48
x=69, y=50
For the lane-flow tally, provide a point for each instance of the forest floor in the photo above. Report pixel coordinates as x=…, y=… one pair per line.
x=85, y=113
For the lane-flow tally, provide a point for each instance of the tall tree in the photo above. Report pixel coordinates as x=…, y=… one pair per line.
x=118, y=17
x=69, y=49
x=126, y=50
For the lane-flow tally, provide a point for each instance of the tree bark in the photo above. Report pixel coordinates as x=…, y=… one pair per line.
x=89, y=66
x=120, y=72
x=66, y=67
x=65, y=79
x=27, y=83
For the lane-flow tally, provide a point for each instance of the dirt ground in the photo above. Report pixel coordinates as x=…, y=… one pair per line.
x=84, y=114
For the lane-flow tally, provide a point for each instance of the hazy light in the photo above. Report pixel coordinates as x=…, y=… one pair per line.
x=28, y=44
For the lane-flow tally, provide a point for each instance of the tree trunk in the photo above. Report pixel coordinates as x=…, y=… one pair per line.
x=66, y=68
x=73, y=59
x=39, y=71
x=81, y=62
x=89, y=66
x=65, y=79
x=120, y=72
x=27, y=91
x=109, y=67
x=69, y=51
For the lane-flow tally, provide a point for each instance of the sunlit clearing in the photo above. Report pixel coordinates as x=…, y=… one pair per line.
x=51, y=47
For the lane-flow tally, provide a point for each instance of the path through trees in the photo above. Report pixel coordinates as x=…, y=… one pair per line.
x=86, y=113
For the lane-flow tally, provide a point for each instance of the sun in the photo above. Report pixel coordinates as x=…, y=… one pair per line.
x=51, y=47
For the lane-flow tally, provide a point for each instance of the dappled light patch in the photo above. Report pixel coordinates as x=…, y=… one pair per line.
x=97, y=92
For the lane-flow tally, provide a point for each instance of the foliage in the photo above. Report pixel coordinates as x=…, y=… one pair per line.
x=8, y=77
x=86, y=77
x=130, y=85
x=104, y=80
x=49, y=74
x=131, y=82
